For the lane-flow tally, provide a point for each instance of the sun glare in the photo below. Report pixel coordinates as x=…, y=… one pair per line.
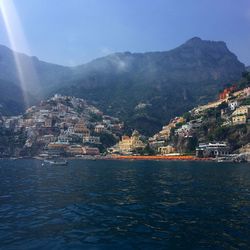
x=26, y=73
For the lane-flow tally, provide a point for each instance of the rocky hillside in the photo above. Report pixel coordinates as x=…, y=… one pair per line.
x=147, y=89
x=226, y=119
x=143, y=89
x=11, y=98
x=31, y=74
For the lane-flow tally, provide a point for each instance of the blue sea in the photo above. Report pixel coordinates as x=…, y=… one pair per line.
x=124, y=205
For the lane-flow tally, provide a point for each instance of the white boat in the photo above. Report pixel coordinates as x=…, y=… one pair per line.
x=225, y=159
x=56, y=162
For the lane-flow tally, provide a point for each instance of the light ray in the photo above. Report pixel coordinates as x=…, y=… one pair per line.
x=26, y=72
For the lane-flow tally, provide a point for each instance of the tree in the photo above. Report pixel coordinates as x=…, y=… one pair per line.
x=187, y=116
x=192, y=144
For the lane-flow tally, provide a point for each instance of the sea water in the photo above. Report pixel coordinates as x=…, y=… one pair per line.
x=124, y=205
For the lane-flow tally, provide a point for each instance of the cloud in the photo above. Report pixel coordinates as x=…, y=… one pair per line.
x=115, y=58
x=72, y=63
x=106, y=51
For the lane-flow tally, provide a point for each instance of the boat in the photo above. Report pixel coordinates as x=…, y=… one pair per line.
x=225, y=159
x=13, y=158
x=55, y=162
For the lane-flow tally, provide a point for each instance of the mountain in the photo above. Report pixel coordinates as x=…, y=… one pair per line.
x=31, y=78
x=36, y=76
x=223, y=120
x=147, y=89
x=11, y=98
x=143, y=89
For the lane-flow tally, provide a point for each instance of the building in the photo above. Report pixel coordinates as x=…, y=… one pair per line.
x=156, y=143
x=63, y=139
x=91, y=151
x=75, y=150
x=165, y=132
x=81, y=128
x=166, y=150
x=233, y=105
x=239, y=119
x=99, y=128
x=57, y=148
x=210, y=105
x=129, y=144
x=47, y=139
x=160, y=139
x=243, y=110
x=241, y=115
x=184, y=131
x=125, y=145
x=226, y=92
x=91, y=139
x=212, y=150
x=116, y=127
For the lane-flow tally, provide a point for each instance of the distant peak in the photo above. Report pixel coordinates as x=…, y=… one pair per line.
x=194, y=40
x=198, y=42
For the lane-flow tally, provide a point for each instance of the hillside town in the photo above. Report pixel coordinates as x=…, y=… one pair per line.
x=217, y=129
x=60, y=126
x=69, y=127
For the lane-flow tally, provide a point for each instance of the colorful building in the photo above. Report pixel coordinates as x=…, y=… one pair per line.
x=241, y=115
x=226, y=92
x=166, y=150
x=129, y=144
x=81, y=128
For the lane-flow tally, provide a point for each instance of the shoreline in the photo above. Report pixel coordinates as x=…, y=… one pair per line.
x=163, y=158
x=188, y=158
x=126, y=157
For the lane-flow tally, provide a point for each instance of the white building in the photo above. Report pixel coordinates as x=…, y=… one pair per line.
x=233, y=105
x=212, y=149
x=99, y=128
x=184, y=131
x=91, y=139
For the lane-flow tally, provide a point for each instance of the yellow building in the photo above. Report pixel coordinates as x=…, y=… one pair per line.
x=241, y=115
x=57, y=145
x=239, y=119
x=81, y=128
x=166, y=150
x=243, y=110
x=128, y=144
x=75, y=150
x=165, y=132
x=125, y=143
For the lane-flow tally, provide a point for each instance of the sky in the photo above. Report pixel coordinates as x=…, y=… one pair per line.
x=72, y=32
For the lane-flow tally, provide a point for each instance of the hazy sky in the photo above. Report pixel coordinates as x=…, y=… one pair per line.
x=71, y=32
